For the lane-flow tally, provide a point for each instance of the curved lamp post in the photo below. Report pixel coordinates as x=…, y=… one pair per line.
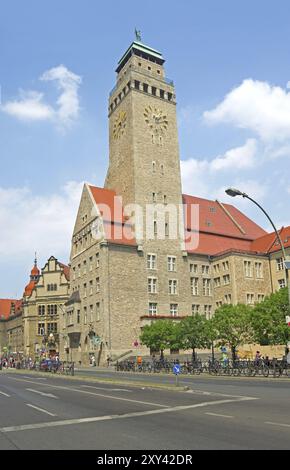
x=236, y=192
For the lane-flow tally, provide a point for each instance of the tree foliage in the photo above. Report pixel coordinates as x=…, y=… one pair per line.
x=268, y=319
x=232, y=326
x=160, y=335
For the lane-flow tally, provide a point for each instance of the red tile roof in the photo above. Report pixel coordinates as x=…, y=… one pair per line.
x=66, y=270
x=29, y=288
x=5, y=307
x=117, y=229
x=269, y=243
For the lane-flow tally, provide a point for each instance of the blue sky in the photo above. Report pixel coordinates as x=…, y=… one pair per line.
x=230, y=62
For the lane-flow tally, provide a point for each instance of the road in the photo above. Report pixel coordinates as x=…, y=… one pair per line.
x=49, y=412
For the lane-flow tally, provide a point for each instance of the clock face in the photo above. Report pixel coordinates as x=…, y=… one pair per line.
x=120, y=125
x=156, y=120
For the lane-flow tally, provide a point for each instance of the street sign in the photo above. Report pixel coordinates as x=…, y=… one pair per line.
x=176, y=369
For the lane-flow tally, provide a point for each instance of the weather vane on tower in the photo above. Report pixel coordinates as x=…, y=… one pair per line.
x=138, y=35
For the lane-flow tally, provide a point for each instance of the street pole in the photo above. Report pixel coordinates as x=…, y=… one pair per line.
x=235, y=192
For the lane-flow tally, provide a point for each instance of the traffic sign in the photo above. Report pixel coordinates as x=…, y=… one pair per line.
x=176, y=369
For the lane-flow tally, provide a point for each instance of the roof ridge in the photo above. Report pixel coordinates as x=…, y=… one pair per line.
x=227, y=212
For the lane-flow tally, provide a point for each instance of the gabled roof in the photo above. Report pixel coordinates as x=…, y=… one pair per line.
x=219, y=227
x=66, y=270
x=116, y=228
x=269, y=242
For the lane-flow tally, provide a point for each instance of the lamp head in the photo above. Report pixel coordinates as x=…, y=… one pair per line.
x=234, y=192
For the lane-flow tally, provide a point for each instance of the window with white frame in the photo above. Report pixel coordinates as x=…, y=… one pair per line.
x=250, y=299
x=280, y=264
x=152, y=285
x=261, y=298
x=41, y=328
x=152, y=308
x=174, y=310
x=205, y=270
x=171, y=263
x=282, y=283
x=195, y=309
x=226, y=279
x=206, y=287
x=226, y=265
x=193, y=268
x=217, y=281
x=194, y=285
x=228, y=298
x=218, y=303
x=248, y=268
x=172, y=286
x=216, y=268
x=151, y=261
x=259, y=270
x=207, y=311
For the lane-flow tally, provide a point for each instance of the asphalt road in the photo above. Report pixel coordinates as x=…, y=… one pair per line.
x=215, y=413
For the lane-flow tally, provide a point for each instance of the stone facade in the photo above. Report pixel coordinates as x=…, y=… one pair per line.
x=119, y=285
x=34, y=324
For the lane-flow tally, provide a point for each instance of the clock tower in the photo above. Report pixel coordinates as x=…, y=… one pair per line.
x=144, y=155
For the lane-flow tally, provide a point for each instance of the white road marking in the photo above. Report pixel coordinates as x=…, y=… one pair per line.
x=69, y=422
x=48, y=395
x=40, y=409
x=5, y=394
x=107, y=389
x=278, y=424
x=218, y=394
x=221, y=416
x=69, y=389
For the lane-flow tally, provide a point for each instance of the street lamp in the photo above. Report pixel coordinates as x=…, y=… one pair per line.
x=233, y=192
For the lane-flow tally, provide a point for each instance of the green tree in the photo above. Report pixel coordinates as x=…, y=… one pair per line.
x=269, y=319
x=193, y=333
x=160, y=335
x=232, y=324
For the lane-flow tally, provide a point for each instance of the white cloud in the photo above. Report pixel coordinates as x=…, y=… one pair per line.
x=257, y=106
x=68, y=101
x=198, y=175
x=31, y=222
x=31, y=106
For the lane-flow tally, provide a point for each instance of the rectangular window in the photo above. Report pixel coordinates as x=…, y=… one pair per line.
x=85, y=290
x=51, y=328
x=226, y=265
x=195, y=309
x=217, y=281
x=162, y=94
x=85, y=316
x=52, y=309
x=282, y=283
x=248, y=268
x=145, y=87
x=91, y=287
x=226, y=279
x=206, y=285
x=174, y=310
x=41, y=329
x=91, y=313
x=152, y=308
x=41, y=309
x=91, y=263
x=205, y=270
x=79, y=270
x=171, y=263
x=261, y=297
x=216, y=268
x=137, y=85
x=228, y=298
x=78, y=316
x=280, y=264
x=97, y=285
x=151, y=261
x=154, y=89
x=194, y=285
x=97, y=260
x=193, y=268
x=98, y=311
x=207, y=311
x=169, y=96
x=74, y=274
x=172, y=286
x=259, y=270
x=250, y=299
x=219, y=303
x=152, y=285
